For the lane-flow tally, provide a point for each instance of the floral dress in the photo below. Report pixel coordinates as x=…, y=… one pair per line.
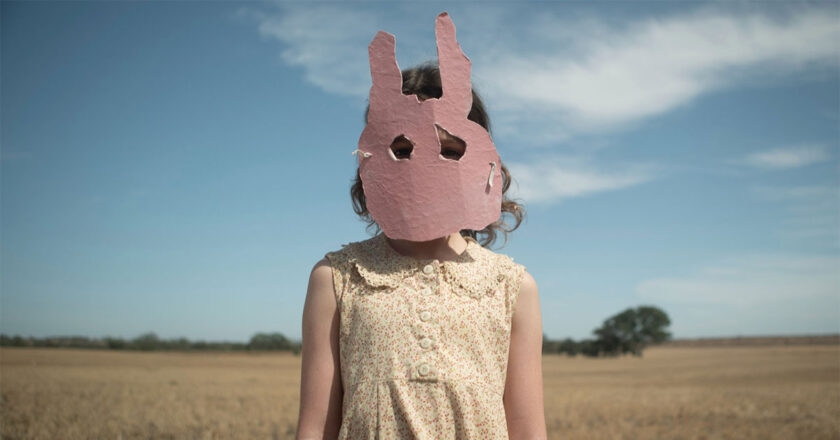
x=423, y=343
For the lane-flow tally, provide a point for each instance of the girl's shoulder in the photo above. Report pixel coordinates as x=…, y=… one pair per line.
x=341, y=263
x=492, y=256
x=362, y=252
x=372, y=261
x=487, y=273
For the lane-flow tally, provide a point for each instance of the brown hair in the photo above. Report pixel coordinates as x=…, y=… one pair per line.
x=424, y=81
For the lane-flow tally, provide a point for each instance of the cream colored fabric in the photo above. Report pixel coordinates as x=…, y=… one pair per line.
x=424, y=343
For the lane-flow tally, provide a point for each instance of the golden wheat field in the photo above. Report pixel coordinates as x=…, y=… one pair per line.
x=766, y=392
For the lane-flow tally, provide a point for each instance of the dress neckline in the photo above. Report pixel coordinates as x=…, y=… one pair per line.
x=464, y=256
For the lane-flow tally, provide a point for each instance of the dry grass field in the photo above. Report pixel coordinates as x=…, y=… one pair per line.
x=758, y=392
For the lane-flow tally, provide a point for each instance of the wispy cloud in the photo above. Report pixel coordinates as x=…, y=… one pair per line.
x=566, y=74
x=555, y=179
x=787, y=157
x=610, y=76
x=326, y=41
x=750, y=280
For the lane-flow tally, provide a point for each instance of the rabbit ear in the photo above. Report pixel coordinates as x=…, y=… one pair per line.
x=454, y=66
x=384, y=71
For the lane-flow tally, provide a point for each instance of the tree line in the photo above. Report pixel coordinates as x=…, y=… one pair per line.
x=150, y=342
x=628, y=332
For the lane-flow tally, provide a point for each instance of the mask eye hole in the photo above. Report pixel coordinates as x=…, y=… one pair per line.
x=451, y=147
x=401, y=148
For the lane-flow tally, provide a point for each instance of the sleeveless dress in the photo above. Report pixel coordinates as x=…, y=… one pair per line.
x=423, y=343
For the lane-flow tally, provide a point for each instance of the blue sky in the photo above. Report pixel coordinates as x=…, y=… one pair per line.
x=179, y=167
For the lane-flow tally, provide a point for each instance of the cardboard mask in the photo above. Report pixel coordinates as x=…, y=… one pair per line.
x=426, y=195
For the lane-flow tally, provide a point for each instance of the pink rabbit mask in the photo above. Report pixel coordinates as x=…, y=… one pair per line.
x=426, y=195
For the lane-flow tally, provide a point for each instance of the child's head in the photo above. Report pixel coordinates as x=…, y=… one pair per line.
x=425, y=82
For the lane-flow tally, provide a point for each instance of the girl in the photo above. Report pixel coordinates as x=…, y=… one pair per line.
x=423, y=338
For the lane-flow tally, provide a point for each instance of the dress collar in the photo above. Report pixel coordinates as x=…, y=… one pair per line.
x=475, y=272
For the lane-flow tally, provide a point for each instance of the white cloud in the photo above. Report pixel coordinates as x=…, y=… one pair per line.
x=561, y=75
x=327, y=42
x=788, y=157
x=555, y=179
x=621, y=75
x=751, y=280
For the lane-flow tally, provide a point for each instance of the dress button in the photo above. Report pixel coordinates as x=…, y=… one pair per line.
x=426, y=315
x=425, y=342
x=428, y=269
x=423, y=370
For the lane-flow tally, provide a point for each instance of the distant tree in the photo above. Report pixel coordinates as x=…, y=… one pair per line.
x=147, y=341
x=590, y=347
x=652, y=325
x=17, y=341
x=631, y=331
x=269, y=341
x=115, y=343
x=179, y=344
x=548, y=345
x=568, y=346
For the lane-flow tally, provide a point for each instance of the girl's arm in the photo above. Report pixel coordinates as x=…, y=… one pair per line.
x=523, y=397
x=321, y=391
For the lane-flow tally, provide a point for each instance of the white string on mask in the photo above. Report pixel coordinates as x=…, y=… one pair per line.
x=363, y=153
x=490, y=177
